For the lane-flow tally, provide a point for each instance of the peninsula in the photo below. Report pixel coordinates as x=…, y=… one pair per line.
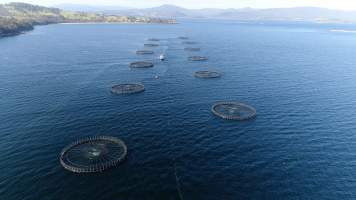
x=15, y=18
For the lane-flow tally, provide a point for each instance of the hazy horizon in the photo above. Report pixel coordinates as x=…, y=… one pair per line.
x=193, y=4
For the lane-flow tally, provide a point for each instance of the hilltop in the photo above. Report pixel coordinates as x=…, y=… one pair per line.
x=18, y=17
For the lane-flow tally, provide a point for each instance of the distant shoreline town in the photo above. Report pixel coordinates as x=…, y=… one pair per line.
x=16, y=18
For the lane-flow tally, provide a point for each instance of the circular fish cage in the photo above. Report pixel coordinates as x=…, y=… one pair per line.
x=191, y=49
x=151, y=45
x=233, y=111
x=94, y=154
x=183, y=38
x=197, y=58
x=127, y=88
x=189, y=42
x=141, y=64
x=144, y=52
x=207, y=74
x=154, y=40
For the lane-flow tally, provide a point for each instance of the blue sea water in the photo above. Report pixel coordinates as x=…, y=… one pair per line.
x=301, y=78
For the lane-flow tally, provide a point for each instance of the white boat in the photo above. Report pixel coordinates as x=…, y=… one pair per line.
x=161, y=57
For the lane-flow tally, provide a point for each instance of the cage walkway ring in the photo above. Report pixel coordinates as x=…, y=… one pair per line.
x=183, y=38
x=143, y=52
x=127, y=88
x=94, y=154
x=233, y=111
x=151, y=45
x=207, y=74
x=141, y=64
x=197, y=58
x=153, y=39
x=191, y=49
x=189, y=42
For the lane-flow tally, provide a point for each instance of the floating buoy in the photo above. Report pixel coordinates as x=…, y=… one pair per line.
x=162, y=57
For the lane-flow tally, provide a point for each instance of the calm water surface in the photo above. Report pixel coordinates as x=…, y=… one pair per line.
x=55, y=88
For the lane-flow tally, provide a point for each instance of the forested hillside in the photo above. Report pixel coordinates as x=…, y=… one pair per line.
x=18, y=17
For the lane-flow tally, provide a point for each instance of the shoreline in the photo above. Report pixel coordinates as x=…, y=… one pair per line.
x=20, y=32
x=23, y=17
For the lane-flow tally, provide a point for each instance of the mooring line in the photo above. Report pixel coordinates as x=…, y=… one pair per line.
x=178, y=183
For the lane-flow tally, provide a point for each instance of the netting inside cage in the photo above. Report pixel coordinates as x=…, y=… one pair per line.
x=197, y=58
x=94, y=154
x=127, y=88
x=207, y=74
x=233, y=111
x=141, y=64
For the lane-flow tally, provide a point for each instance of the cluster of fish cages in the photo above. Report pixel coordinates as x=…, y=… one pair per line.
x=189, y=48
x=141, y=64
x=94, y=154
x=127, y=88
x=207, y=74
x=97, y=154
x=225, y=110
x=233, y=111
x=197, y=58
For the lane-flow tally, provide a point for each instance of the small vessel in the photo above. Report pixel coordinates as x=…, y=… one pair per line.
x=161, y=57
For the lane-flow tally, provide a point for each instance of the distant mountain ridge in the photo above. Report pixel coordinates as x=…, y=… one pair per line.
x=308, y=14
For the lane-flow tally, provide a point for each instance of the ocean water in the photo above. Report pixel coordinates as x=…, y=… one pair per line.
x=301, y=78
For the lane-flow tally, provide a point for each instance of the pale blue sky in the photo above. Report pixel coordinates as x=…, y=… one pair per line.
x=335, y=4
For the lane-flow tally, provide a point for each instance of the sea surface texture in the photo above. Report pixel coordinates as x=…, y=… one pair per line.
x=55, y=88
